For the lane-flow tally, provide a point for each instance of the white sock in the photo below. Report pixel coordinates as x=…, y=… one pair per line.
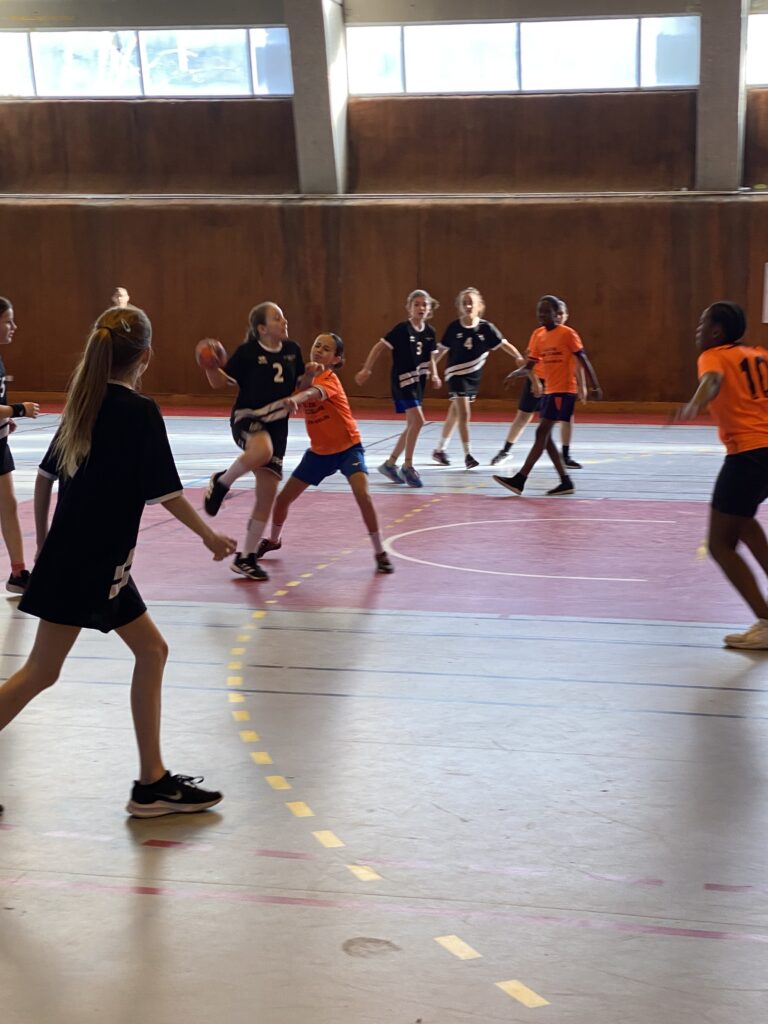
x=235, y=471
x=442, y=444
x=253, y=536
x=466, y=447
x=277, y=532
x=378, y=547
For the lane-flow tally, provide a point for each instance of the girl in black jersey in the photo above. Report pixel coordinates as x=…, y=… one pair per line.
x=9, y=513
x=266, y=368
x=111, y=456
x=467, y=341
x=412, y=344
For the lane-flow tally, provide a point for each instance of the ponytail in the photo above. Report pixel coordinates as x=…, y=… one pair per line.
x=117, y=341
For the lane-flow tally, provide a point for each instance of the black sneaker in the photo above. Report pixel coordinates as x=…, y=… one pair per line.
x=564, y=487
x=215, y=494
x=570, y=463
x=246, y=565
x=383, y=564
x=439, y=456
x=18, y=584
x=266, y=545
x=172, y=794
x=515, y=483
x=470, y=462
x=500, y=456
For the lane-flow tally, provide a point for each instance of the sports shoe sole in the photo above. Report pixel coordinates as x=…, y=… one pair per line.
x=503, y=482
x=247, y=575
x=159, y=808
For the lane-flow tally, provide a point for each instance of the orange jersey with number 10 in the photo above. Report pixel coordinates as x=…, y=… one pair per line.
x=740, y=409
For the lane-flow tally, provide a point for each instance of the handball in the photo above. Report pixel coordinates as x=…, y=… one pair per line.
x=210, y=354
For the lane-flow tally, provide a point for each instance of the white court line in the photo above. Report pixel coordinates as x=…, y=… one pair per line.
x=389, y=546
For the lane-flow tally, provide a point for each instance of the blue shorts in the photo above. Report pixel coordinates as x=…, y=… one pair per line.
x=401, y=404
x=558, y=406
x=314, y=468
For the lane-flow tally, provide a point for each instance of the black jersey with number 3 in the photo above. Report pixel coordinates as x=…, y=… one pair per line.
x=263, y=375
x=82, y=576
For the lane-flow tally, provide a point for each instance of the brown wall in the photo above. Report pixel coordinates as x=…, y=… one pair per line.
x=636, y=273
x=756, y=145
x=643, y=141
x=148, y=146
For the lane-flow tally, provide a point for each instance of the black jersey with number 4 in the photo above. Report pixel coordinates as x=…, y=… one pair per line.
x=82, y=575
x=468, y=347
x=262, y=375
x=4, y=430
x=411, y=352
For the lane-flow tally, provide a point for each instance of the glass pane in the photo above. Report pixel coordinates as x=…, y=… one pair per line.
x=195, y=62
x=757, y=50
x=669, y=51
x=374, y=60
x=461, y=58
x=86, y=63
x=271, y=52
x=568, y=55
x=15, y=69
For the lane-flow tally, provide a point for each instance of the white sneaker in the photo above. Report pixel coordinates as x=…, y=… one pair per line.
x=753, y=639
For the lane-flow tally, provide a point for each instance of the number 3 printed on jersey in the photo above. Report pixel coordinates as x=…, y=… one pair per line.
x=755, y=371
x=278, y=368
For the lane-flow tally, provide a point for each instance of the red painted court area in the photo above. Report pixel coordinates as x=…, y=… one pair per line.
x=471, y=554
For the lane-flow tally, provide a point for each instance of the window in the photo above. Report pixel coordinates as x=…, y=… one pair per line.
x=15, y=68
x=461, y=58
x=757, y=50
x=375, y=60
x=86, y=63
x=669, y=51
x=571, y=55
x=195, y=62
x=271, y=62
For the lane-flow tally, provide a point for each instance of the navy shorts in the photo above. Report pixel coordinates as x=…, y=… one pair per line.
x=742, y=484
x=245, y=428
x=528, y=401
x=7, y=464
x=558, y=406
x=464, y=385
x=314, y=468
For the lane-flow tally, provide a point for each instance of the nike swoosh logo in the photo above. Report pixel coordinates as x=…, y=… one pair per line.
x=178, y=795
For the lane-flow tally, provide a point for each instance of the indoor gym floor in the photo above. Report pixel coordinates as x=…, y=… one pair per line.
x=520, y=779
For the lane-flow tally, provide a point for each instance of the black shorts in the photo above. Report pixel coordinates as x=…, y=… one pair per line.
x=557, y=406
x=7, y=464
x=464, y=385
x=742, y=484
x=245, y=428
x=528, y=401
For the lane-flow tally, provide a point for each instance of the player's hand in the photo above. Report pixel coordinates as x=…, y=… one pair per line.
x=219, y=545
x=684, y=413
x=362, y=376
x=32, y=409
x=11, y=426
x=313, y=368
x=289, y=403
x=536, y=389
x=583, y=393
x=436, y=382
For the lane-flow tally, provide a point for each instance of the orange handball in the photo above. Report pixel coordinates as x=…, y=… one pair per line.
x=210, y=354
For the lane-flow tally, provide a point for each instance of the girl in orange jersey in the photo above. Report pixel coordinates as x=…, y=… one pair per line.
x=733, y=384
x=335, y=445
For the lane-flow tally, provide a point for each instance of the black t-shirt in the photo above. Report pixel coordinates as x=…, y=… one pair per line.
x=468, y=347
x=84, y=565
x=411, y=351
x=3, y=400
x=264, y=376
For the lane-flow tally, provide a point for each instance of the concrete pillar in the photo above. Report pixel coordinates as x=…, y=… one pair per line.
x=722, y=95
x=319, y=61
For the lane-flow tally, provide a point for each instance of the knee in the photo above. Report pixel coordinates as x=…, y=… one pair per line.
x=155, y=653
x=41, y=674
x=719, y=548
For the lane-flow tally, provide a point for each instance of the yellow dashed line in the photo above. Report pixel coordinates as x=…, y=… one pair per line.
x=236, y=698
x=249, y=736
x=280, y=593
x=260, y=757
x=258, y=615
x=300, y=809
x=457, y=947
x=306, y=575
x=294, y=583
x=328, y=839
x=234, y=666
x=278, y=782
x=234, y=680
x=322, y=565
x=270, y=602
x=347, y=551
x=522, y=994
x=237, y=651
x=241, y=716
x=363, y=873
x=244, y=638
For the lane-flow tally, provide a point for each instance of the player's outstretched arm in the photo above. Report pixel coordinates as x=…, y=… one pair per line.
x=42, y=506
x=363, y=374
x=709, y=387
x=509, y=348
x=219, y=545
x=521, y=371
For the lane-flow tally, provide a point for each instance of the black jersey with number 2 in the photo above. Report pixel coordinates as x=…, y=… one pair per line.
x=82, y=576
x=263, y=375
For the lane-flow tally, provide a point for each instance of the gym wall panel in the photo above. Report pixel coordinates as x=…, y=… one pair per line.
x=585, y=142
x=756, y=142
x=635, y=272
x=148, y=146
